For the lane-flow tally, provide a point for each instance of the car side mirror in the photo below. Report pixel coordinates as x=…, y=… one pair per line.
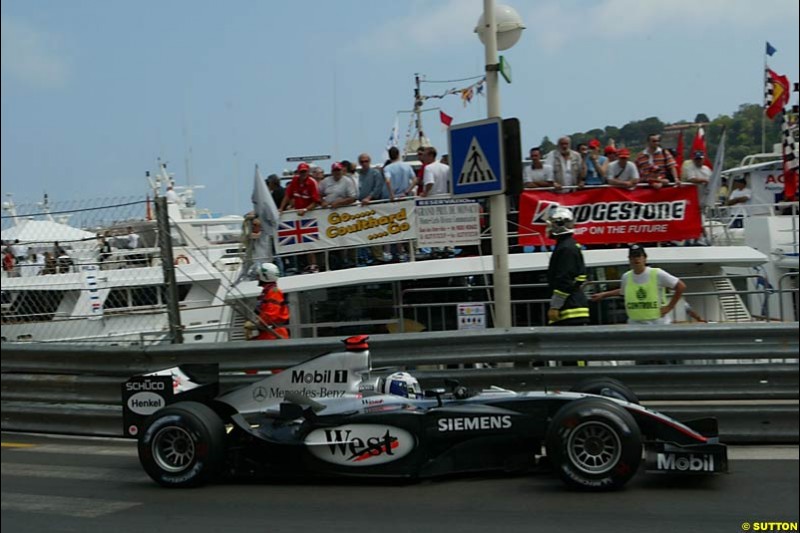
x=435, y=393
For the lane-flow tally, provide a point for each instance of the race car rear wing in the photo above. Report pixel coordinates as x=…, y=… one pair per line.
x=144, y=394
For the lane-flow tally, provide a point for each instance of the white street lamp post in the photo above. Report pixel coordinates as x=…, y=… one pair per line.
x=510, y=29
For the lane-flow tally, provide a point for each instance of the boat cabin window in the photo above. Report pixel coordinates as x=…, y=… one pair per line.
x=30, y=306
x=149, y=296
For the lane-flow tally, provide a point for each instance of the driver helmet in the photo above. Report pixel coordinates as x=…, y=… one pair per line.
x=402, y=384
x=560, y=222
x=268, y=272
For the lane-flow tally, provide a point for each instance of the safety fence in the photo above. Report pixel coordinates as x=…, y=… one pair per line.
x=76, y=389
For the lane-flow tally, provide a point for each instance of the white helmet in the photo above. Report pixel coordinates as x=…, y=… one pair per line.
x=268, y=272
x=402, y=384
x=560, y=222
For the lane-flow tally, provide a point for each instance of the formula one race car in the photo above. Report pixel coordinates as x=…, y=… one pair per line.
x=325, y=418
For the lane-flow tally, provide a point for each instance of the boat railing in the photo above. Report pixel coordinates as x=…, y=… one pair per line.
x=436, y=308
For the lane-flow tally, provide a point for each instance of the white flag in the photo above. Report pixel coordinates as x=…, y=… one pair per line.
x=267, y=212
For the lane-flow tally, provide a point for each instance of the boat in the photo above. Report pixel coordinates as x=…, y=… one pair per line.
x=121, y=299
x=743, y=276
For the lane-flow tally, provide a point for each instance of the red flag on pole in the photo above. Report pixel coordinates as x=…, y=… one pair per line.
x=445, y=118
x=148, y=213
x=776, y=93
x=679, y=152
x=699, y=145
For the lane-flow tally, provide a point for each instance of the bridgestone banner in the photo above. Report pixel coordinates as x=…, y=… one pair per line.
x=610, y=215
x=346, y=226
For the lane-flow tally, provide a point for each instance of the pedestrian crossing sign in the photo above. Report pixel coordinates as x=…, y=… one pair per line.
x=476, y=158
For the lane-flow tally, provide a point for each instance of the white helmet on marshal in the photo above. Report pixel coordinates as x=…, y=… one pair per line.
x=560, y=222
x=268, y=272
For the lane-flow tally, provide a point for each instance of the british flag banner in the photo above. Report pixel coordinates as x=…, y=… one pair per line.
x=355, y=225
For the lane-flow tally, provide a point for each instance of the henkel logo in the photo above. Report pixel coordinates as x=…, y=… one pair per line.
x=319, y=376
x=360, y=444
x=685, y=463
x=144, y=385
x=145, y=403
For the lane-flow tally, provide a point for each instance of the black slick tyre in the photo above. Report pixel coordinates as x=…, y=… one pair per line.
x=610, y=387
x=182, y=445
x=594, y=445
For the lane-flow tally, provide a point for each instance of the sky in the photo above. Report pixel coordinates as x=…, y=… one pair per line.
x=95, y=91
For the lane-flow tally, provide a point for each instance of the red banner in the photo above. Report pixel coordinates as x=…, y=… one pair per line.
x=610, y=215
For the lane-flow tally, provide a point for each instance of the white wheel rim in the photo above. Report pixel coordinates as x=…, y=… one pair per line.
x=594, y=447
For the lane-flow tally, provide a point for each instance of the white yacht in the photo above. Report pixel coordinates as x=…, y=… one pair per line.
x=121, y=298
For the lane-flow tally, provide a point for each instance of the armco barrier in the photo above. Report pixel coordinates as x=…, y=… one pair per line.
x=75, y=389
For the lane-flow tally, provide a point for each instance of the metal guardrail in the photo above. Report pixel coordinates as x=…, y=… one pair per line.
x=75, y=389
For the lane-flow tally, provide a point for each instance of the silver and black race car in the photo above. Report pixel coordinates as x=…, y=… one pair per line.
x=326, y=417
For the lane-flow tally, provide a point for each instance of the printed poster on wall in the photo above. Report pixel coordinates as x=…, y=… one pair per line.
x=448, y=223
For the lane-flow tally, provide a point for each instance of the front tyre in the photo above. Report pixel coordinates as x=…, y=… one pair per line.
x=182, y=445
x=594, y=445
x=605, y=386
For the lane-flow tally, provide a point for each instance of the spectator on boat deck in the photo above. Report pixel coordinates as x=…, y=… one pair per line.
x=103, y=249
x=336, y=190
x=436, y=177
x=20, y=251
x=723, y=192
x=371, y=184
x=656, y=165
x=596, y=165
x=611, y=153
x=58, y=251
x=8, y=261
x=401, y=181
x=445, y=159
x=400, y=178
x=172, y=196
x=644, y=290
x=302, y=194
x=275, y=189
x=50, y=263
x=738, y=200
x=569, y=169
x=349, y=171
x=62, y=258
x=537, y=174
x=696, y=172
x=623, y=173
x=35, y=264
x=318, y=174
x=132, y=240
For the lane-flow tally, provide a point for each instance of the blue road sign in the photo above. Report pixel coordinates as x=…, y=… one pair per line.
x=476, y=158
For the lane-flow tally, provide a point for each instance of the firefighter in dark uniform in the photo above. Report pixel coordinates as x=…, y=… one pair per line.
x=566, y=273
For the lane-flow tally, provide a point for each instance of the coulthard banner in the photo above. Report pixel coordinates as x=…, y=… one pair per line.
x=345, y=226
x=610, y=215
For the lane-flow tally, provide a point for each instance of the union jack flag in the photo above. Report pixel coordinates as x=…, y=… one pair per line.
x=298, y=232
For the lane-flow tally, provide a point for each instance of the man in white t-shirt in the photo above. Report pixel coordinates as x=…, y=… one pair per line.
x=172, y=196
x=622, y=173
x=436, y=177
x=537, y=174
x=643, y=289
x=738, y=200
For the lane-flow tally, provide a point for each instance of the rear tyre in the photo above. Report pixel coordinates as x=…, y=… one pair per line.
x=594, y=445
x=610, y=387
x=182, y=445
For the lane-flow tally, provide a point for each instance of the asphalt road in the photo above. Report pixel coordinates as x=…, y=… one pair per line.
x=97, y=485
